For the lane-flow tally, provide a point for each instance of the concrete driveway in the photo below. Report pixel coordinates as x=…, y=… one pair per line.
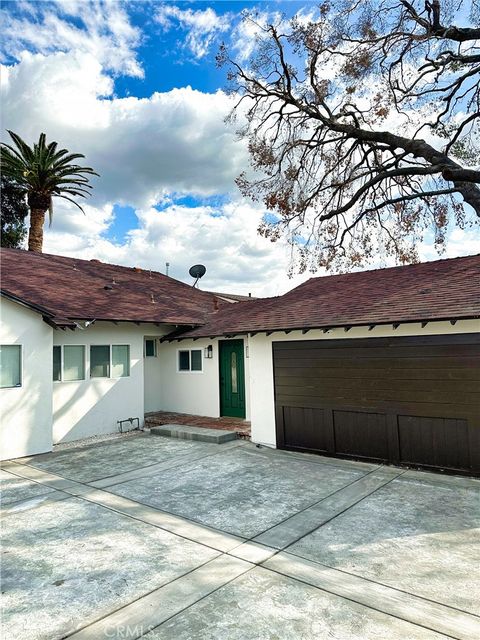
x=179, y=540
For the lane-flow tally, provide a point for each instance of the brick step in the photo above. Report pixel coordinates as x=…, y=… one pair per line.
x=187, y=432
x=158, y=418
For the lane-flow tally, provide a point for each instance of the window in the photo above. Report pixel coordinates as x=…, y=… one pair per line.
x=190, y=360
x=184, y=360
x=57, y=364
x=10, y=365
x=73, y=362
x=120, y=360
x=104, y=360
x=234, y=372
x=150, y=347
x=100, y=361
x=196, y=360
x=71, y=366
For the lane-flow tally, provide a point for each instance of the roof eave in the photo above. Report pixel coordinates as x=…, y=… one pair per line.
x=169, y=321
x=30, y=305
x=57, y=322
x=453, y=319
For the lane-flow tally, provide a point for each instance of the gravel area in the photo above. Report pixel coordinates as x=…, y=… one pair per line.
x=84, y=442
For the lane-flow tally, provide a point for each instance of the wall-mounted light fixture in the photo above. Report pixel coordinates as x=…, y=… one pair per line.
x=208, y=351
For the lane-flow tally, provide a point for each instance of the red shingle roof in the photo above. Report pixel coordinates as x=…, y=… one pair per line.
x=440, y=290
x=233, y=297
x=67, y=288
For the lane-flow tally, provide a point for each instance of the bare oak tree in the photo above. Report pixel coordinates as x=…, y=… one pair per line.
x=362, y=124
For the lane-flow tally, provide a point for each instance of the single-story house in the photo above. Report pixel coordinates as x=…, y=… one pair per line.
x=378, y=365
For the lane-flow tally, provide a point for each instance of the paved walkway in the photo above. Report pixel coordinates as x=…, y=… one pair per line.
x=180, y=540
x=228, y=424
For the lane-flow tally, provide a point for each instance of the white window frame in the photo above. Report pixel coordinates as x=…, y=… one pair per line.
x=189, y=371
x=84, y=362
x=16, y=386
x=110, y=346
x=120, y=344
x=62, y=347
x=99, y=344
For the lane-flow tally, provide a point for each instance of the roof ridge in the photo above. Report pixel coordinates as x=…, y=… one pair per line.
x=405, y=266
x=58, y=258
x=79, y=288
x=429, y=291
x=382, y=269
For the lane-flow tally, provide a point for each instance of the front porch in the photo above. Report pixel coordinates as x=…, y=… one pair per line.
x=156, y=418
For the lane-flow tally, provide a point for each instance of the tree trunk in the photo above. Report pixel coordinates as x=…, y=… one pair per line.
x=35, y=234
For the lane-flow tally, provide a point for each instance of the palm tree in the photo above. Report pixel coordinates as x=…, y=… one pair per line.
x=42, y=172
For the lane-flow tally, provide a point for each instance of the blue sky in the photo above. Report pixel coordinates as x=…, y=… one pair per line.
x=134, y=86
x=157, y=50
x=164, y=69
x=165, y=61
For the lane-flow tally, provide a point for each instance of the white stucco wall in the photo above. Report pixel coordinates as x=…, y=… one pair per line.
x=92, y=406
x=152, y=379
x=195, y=392
x=26, y=411
x=190, y=391
x=262, y=404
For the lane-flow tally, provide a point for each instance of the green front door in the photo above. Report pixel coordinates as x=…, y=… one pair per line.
x=232, y=379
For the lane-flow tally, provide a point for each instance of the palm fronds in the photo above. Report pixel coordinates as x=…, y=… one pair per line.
x=45, y=171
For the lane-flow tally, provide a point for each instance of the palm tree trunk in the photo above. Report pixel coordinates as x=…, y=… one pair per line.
x=35, y=233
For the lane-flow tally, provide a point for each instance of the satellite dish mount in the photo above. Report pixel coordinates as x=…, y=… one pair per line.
x=197, y=272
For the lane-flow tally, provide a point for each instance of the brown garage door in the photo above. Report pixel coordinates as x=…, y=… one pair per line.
x=413, y=401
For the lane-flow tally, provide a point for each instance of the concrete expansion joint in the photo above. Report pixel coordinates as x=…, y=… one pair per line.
x=160, y=605
x=57, y=483
x=270, y=551
x=420, y=611
x=316, y=515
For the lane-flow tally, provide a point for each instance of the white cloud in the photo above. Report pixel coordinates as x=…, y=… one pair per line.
x=143, y=148
x=146, y=150
x=202, y=26
x=250, y=30
x=100, y=28
x=307, y=14
x=461, y=242
x=224, y=239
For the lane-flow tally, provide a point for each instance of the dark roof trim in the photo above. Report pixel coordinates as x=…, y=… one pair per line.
x=34, y=307
x=47, y=316
x=325, y=328
x=172, y=337
x=185, y=326
x=60, y=323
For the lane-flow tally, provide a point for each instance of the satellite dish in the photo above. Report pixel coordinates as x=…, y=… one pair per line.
x=197, y=272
